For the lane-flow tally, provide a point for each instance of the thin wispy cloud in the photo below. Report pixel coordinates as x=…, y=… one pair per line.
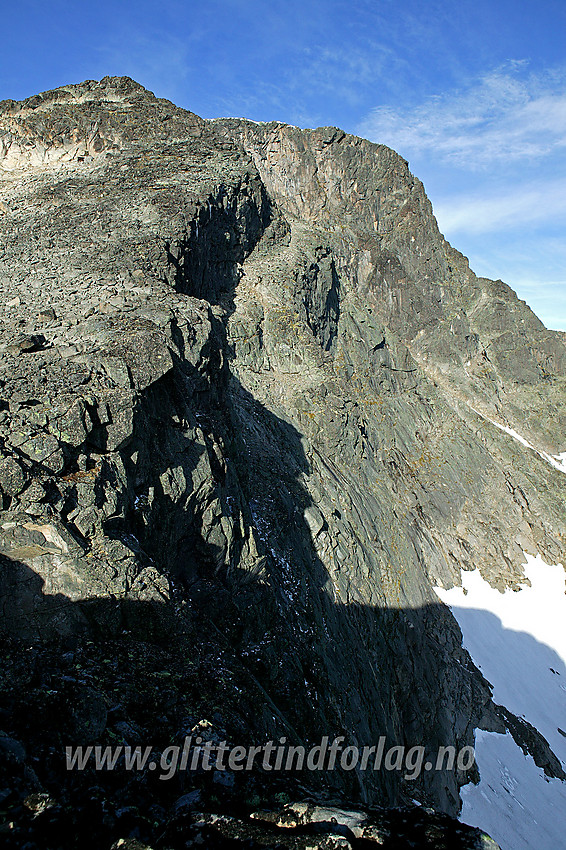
x=483, y=213
x=503, y=116
x=345, y=73
x=310, y=76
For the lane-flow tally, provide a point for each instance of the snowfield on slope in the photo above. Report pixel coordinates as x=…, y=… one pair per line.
x=557, y=461
x=518, y=641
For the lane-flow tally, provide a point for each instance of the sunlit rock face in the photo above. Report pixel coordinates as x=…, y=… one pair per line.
x=250, y=409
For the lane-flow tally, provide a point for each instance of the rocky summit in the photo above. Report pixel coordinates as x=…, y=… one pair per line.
x=253, y=410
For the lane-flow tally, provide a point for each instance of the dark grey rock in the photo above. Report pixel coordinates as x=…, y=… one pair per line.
x=11, y=749
x=12, y=476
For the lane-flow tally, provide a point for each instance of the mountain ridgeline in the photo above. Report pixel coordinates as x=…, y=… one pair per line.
x=250, y=408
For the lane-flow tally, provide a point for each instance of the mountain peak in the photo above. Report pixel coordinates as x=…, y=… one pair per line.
x=255, y=410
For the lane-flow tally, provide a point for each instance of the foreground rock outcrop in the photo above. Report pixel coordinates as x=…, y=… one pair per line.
x=250, y=399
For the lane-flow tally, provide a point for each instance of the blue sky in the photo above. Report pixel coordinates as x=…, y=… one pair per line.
x=472, y=93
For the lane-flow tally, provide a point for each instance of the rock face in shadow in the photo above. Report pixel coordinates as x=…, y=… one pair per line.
x=246, y=399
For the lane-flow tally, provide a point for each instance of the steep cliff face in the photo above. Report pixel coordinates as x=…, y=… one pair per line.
x=250, y=399
x=472, y=336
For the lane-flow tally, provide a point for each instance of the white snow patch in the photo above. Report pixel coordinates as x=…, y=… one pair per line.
x=561, y=461
x=518, y=641
x=515, y=802
x=557, y=461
